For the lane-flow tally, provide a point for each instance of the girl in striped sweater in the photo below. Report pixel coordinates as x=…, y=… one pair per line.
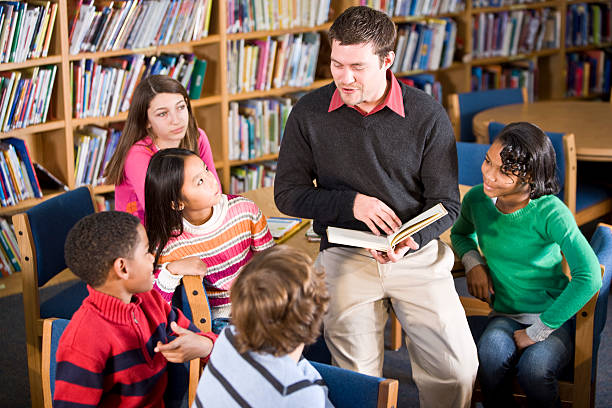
x=194, y=229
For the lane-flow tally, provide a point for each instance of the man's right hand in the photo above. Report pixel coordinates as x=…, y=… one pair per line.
x=479, y=283
x=375, y=214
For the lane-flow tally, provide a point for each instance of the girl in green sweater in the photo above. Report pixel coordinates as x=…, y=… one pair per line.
x=522, y=228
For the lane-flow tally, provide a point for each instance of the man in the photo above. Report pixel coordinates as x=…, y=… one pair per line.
x=380, y=153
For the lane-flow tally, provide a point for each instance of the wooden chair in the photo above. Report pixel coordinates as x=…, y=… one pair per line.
x=577, y=385
x=587, y=201
x=463, y=106
x=41, y=233
x=348, y=389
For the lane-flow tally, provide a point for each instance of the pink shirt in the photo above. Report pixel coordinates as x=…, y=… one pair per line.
x=129, y=194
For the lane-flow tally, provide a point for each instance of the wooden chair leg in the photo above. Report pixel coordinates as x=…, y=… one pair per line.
x=34, y=372
x=396, y=332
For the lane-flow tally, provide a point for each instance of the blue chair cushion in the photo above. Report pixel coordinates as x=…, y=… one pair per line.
x=65, y=303
x=57, y=329
x=469, y=158
x=349, y=388
x=318, y=351
x=588, y=194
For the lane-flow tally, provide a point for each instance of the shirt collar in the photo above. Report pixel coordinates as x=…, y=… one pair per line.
x=394, y=99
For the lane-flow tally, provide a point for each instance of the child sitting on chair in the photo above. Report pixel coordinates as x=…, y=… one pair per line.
x=278, y=303
x=523, y=230
x=116, y=347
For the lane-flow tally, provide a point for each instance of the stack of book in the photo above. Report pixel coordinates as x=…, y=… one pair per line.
x=415, y=7
x=510, y=33
x=245, y=178
x=25, y=96
x=9, y=250
x=589, y=73
x=18, y=180
x=588, y=24
x=519, y=74
x=25, y=29
x=256, y=126
x=133, y=24
x=94, y=146
x=428, y=45
x=288, y=60
x=244, y=16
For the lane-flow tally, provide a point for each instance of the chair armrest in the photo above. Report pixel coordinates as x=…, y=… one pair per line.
x=195, y=370
x=196, y=296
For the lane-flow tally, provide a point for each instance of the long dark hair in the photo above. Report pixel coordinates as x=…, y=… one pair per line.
x=528, y=154
x=136, y=123
x=163, y=184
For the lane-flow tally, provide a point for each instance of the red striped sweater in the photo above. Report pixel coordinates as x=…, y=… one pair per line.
x=105, y=356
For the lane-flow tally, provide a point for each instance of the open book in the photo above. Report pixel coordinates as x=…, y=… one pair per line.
x=364, y=239
x=282, y=228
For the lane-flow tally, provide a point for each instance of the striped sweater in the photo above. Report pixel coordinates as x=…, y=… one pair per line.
x=226, y=242
x=105, y=356
x=231, y=379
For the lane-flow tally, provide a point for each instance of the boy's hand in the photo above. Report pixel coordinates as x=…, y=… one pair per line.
x=479, y=283
x=191, y=265
x=394, y=255
x=187, y=346
x=522, y=340
x=374, y=213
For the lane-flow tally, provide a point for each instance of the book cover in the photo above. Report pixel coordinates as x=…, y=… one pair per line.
x=282, y=228
x=197, y=79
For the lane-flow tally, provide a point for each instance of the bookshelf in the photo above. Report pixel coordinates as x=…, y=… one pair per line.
x=52, y=142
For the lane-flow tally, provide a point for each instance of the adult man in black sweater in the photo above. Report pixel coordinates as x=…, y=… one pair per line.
x=380, y=153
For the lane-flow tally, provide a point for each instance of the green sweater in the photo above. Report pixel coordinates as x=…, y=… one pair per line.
x=523, y=253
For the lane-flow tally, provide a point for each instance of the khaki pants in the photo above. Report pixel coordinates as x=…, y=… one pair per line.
x=421, y=291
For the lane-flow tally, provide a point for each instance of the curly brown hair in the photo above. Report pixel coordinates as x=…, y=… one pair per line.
x=278, y=302
x=96, y=241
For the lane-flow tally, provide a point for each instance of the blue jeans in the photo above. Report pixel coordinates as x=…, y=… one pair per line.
x=537, y=367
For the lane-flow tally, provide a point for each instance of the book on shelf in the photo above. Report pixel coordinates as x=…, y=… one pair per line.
x=47, y=180
x=282, y=228
x=250, y=177
x=9, y=250
x=365, y=239
x=93, y=148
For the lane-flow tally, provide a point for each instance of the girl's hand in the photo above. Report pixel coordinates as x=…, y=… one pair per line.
x=522, y=340
x=185, y=347
x=192, y=265
x=479, y=283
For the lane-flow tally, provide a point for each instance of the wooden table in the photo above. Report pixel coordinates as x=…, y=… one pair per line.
x=264, y=198
x=590, y=122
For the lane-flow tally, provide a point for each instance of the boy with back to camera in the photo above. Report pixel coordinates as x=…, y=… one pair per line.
x=278, y=303
x=115, y=350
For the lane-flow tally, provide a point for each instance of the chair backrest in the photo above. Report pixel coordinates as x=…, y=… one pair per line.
x=464, y=106
x=52, y=332
x=351, y=389
x=469, y=162
x=565, y=151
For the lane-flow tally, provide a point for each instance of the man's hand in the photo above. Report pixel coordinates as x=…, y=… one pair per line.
x=479, y=283
x=374, y=213
x=187, y=346
x=522, y=340
x=394, y=255
x=191, y=265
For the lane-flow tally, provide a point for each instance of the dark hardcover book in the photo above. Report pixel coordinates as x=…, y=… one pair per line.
x=47, y=180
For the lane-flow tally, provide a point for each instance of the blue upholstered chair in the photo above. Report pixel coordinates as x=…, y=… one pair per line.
x=469, y=162
x=464, y=106
x=348, y=389
x=41, y=233
x=586, y=200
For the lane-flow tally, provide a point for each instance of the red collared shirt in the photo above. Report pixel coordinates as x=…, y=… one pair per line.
x=393, y=100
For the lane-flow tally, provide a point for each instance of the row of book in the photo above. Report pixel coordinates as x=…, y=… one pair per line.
x=519, y=74
x=589, y=73
x=244, y=16
x=25, y=29
x=405, y=8
x=9, y=250
x=587, y=24
x=428, y=45
x=105, y=87
x=425, y=82
x=18, y=180
x=510, y=33
x=133, y=24
x=501, y=3
x=94, y=147
x=287, y=60
x=250, y=177
x=25, y=96
x=256, y=127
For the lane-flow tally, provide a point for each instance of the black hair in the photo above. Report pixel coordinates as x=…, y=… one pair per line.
x=528, y=154
x=163, y=184
x=96, y=241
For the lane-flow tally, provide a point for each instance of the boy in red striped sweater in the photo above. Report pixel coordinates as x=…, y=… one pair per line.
x=116, y=348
